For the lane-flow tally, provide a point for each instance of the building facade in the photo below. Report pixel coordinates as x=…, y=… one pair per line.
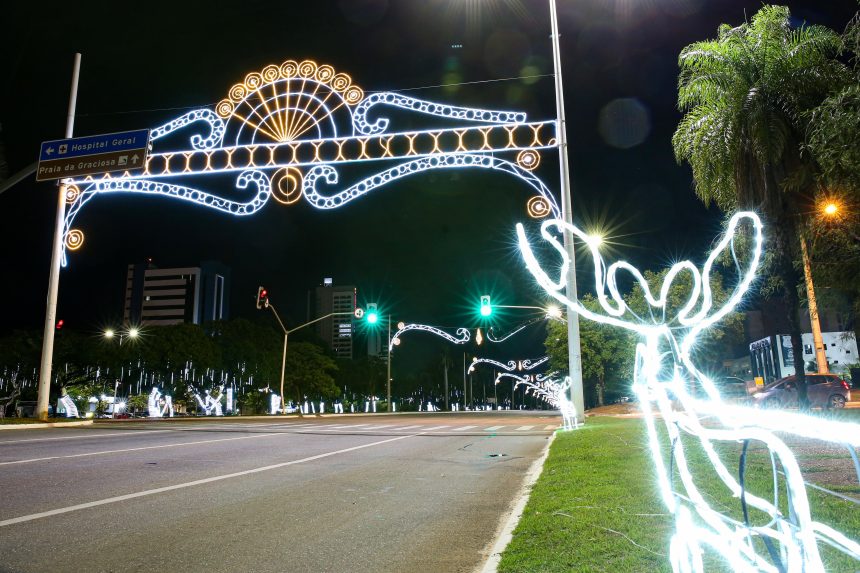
x=337, y=331
x=160, y=297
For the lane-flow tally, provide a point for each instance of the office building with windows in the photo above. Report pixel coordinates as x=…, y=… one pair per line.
x=337, y=331
x=159, y=297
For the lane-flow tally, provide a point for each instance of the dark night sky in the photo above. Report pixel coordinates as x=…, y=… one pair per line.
x=426, y=247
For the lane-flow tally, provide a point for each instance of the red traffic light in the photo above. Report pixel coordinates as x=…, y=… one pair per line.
x=60, y=324
x=262, y=298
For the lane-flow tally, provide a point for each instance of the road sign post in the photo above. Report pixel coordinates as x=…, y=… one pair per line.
x=93, y=154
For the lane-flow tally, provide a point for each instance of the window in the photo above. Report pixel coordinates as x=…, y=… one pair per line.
x=807, y=349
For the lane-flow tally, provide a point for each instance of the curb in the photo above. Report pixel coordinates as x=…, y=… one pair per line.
x=505, y=532
x=45, y=425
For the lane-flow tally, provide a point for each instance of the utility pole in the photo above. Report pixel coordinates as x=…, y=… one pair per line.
x=573, y=345
x=56, y=257
x=817, y=338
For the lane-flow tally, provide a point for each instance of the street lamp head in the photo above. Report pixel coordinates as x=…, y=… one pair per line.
x=553, y=312
x=109, y=333
x=831, y=208
x=133, y=332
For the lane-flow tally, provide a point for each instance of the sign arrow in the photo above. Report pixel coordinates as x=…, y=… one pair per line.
x=134, y=159
x=49, y=151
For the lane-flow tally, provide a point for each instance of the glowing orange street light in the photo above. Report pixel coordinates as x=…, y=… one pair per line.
x=831, y=208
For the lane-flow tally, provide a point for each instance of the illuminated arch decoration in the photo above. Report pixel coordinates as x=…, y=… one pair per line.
x=663, y=373
x=462, y=336
x=288, y=131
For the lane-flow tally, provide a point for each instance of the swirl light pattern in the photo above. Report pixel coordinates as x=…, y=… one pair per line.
x=461, y=337
x=299, y=122
x=511, y=365
x=663, y=375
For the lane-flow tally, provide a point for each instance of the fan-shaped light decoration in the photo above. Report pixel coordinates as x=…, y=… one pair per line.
x=284, y=103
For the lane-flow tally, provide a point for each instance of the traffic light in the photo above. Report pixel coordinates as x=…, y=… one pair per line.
x=262, y=298
x=486, y=307
x=372, y=314
x=60, y=324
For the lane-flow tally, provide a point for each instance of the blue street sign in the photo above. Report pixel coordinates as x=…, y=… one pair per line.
x=93, y=154
x=94, y=144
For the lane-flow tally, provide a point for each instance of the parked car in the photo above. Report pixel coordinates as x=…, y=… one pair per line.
x=732, y=387
x=823, y=390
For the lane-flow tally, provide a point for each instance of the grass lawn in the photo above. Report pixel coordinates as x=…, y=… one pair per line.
x=595, y=506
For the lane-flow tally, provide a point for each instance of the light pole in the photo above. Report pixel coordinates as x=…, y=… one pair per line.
x=573, y=346
x=388, y=375
x=44, y=390
x=109, y=334
x=287, y=333
x=831, y=210
x=817, y=338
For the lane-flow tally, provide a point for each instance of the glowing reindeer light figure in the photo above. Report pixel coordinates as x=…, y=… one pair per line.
x=663, y=375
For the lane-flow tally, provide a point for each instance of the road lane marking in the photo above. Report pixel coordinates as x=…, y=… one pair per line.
x=125, y=433
x=436, y=428
x=524, y=428
x=71, y=508
x=463, y=428
x=493, y=428
x=136, y=449
x=411, y=427
x=551, y=427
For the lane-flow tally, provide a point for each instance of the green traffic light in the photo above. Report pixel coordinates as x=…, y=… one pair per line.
x=372, y=316
x=486, y=307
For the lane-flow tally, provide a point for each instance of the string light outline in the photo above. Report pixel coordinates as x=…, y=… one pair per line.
x=732, y=539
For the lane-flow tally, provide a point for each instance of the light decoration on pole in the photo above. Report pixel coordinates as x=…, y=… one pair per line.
x=461, y=337
x=663, y=372
x=511, y=365
x=286, y=130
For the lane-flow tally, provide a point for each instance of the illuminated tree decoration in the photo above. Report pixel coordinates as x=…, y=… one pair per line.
x=288, y=129
x=664, y=374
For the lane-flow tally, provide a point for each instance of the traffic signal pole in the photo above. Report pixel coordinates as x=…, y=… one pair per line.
x=56, y=257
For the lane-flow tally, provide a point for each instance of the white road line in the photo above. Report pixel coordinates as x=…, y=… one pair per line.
x=126, y=433
x=493, y=428
x=411, y=427
x=436, y=428
x=136, y=449
x=62, y=510
x=524, y=428
x=463, y=428
x=551, y=427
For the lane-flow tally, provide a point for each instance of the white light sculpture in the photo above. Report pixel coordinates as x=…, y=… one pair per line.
x=211, y=405
x=159, y=406
x=285, y=129
x=663, y=373
x=69, y=406
x=462, y=336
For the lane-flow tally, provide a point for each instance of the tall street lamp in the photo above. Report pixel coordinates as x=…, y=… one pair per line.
x=109, y=334
x=831, y=210
x=574, y=356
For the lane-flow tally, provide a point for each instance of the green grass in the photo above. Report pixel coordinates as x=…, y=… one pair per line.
x=595, y=506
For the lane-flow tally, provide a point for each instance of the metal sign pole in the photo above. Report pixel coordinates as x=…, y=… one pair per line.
x=56, y=255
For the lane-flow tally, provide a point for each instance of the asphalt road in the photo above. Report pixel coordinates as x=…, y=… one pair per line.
x=420, y=492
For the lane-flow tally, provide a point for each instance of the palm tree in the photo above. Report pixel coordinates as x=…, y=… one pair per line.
x=746, y=98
